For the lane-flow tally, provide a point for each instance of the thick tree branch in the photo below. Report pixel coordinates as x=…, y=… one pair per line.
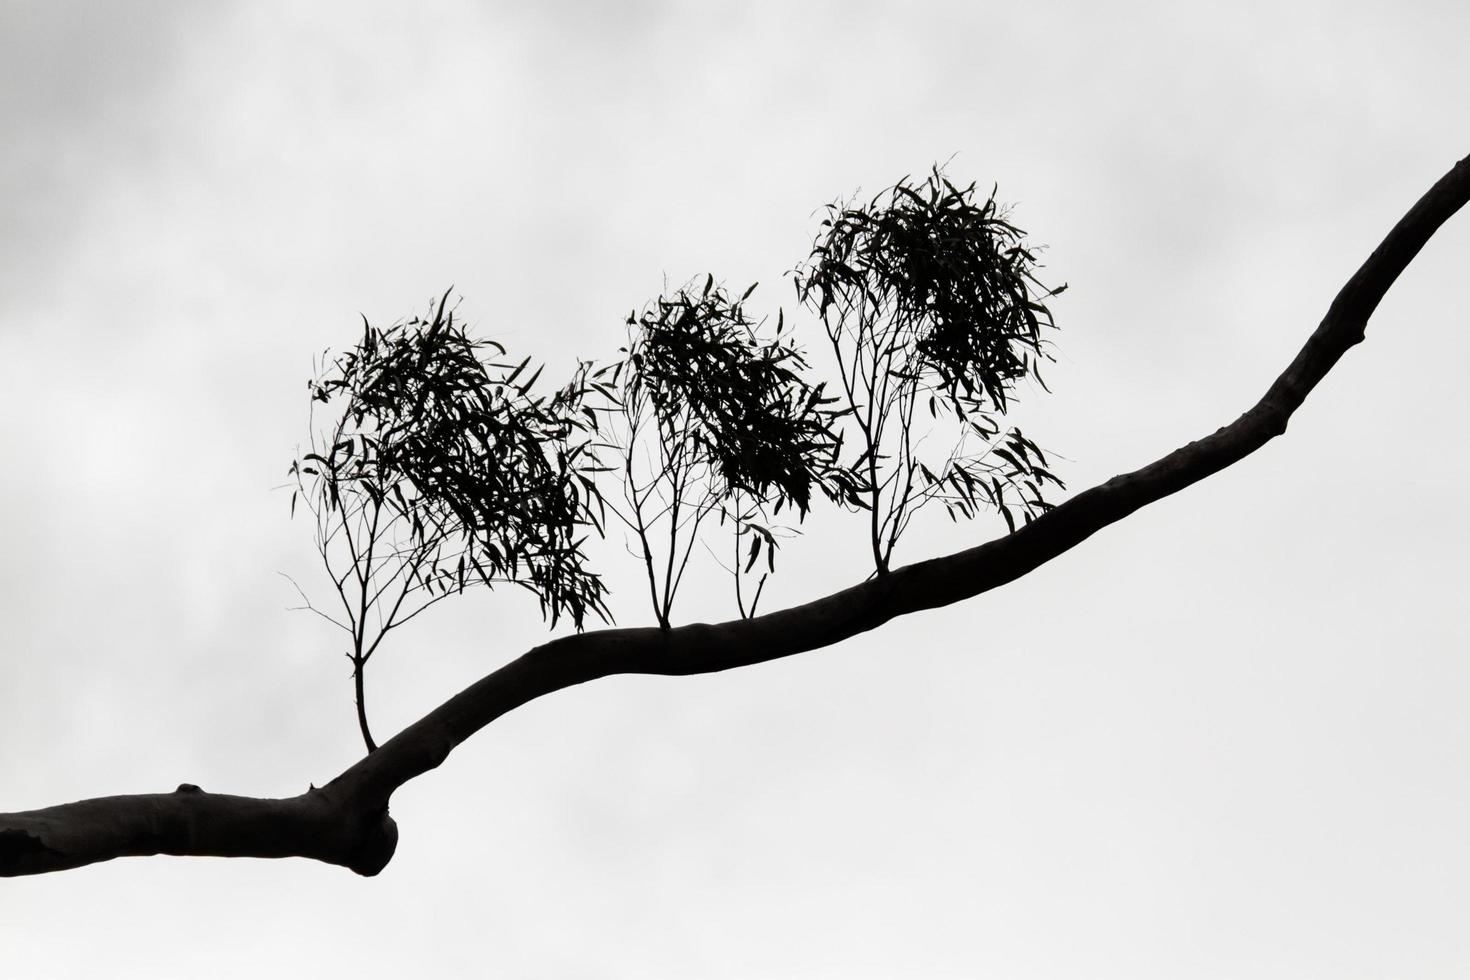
x=346, y=823
x=317, y=824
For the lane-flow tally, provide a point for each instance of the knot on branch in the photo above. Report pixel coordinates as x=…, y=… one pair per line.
x=377, y=840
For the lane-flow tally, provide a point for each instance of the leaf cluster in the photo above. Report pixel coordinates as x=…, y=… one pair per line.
x=717, y=419
x=458, y=446
x=951, y=275
x=713, y=383
x=930, y=299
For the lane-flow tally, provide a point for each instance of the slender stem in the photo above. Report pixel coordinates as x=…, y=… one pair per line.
x=640, y=526
x=700, y=511
x=739, y=601
x=673, y=469
x=875, y=532
x=362, y=723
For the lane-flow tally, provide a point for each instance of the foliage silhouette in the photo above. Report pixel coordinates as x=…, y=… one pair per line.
x=712, y=419
x=930, y=298
x=440, y=470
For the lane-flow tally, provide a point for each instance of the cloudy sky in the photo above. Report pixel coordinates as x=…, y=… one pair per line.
x=1226, y=738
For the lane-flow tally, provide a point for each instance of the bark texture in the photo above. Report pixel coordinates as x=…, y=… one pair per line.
x=347, y=823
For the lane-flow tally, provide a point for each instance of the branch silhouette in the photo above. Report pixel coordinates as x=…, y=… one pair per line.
x=347, y=823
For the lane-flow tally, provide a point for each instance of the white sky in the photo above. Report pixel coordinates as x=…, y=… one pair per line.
x=1227, y=738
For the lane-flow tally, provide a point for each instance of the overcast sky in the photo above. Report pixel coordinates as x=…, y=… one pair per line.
x=1226, y=738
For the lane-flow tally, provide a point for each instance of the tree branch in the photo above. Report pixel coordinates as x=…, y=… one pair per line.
x=346, y=823
x=317, y=824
